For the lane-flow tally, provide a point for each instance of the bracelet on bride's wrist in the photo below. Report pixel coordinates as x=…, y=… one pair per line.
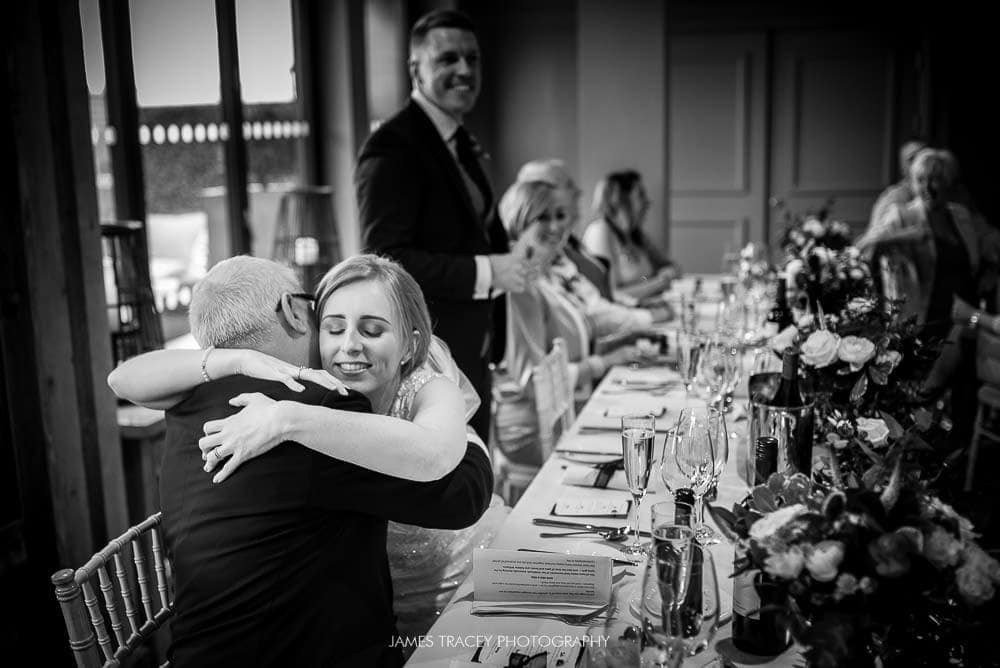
x=204, y=364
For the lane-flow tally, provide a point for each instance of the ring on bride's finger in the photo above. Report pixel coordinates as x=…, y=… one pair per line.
x=298, y=374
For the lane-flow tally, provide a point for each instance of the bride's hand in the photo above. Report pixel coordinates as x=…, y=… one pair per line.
x=260, y=365
x=243, y=436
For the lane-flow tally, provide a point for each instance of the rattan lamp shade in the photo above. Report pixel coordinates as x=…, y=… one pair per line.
x=132, y=317
x=305, y=235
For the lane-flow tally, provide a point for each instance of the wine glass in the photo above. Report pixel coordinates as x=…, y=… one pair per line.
x=680, y=600
x=718, y=370
x=697, y=453
x=637, y=452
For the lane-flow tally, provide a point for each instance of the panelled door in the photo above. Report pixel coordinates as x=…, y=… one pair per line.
x=717, y=123
x=739, y=150
x=832, y=124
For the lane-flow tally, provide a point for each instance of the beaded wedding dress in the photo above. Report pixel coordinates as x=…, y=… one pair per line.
x=427, y=565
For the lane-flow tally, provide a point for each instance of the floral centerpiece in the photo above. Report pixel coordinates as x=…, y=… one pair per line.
x=822, y=268
x=896, y=576
x=865, y=369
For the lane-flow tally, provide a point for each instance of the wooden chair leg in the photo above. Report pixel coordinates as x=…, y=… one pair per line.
x=977, y=437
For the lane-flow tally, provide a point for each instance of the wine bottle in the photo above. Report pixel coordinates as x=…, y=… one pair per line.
x=788, y=394
x=780, y=314
x=756, y=631
x=765, y=459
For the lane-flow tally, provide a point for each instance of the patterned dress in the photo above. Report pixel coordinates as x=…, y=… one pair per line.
x=427, y=565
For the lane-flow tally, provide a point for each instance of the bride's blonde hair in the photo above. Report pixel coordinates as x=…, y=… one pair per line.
x=404, y=294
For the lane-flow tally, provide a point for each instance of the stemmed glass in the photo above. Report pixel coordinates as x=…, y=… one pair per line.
x=680, y=599
x=638, y=432
x=718, y=370
x=689, y=346
x=695, y=456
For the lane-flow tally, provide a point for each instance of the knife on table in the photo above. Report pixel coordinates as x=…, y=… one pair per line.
x=545, y=522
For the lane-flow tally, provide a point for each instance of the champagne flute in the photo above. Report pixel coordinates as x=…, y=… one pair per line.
x=689, y=345
x=718, y=370
x=680, y=600
x=637, y=453
x=698, y=451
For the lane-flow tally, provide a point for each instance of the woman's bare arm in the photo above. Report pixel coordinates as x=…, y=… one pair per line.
x=427, y=448
x=162, y=378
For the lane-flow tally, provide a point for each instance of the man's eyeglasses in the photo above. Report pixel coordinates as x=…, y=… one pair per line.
x=295, y=295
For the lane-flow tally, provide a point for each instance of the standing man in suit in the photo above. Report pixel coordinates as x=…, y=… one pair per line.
x=425, y=201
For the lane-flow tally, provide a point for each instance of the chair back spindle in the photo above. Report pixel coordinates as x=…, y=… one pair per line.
x=87, y=623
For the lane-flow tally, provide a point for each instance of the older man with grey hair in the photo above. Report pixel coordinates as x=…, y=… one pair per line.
x=266, y=563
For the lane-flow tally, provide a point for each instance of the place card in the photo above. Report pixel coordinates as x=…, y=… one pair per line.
x=509, y=581
x=578, y=505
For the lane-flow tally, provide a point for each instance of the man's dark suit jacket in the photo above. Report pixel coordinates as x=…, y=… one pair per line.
x=415, y=207
x=284, y=563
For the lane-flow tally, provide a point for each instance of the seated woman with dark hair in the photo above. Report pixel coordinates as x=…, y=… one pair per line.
x=637, y=268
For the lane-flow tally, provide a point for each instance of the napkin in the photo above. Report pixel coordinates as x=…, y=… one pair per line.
x=603, y=476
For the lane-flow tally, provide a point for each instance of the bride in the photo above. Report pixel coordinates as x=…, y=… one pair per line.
x=374, y=337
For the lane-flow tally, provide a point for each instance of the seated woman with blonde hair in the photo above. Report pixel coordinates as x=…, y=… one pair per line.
x=545, y=311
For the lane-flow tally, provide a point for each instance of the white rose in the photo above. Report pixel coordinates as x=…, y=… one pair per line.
x=805, y=320
x=784, y=339
x=813, y=227
x=890, y=357
x=820, y=349
x=874, y=429
x=786, y=564
x=793, y=269
x=824, y=559
x=942, y=548
x=847, y=584
x=855, y=350
x=763, y=528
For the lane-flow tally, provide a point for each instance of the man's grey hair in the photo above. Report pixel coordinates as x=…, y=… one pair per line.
x=233, y=306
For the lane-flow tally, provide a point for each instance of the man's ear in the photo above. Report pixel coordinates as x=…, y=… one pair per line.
x=296, y=314
x=413, y=67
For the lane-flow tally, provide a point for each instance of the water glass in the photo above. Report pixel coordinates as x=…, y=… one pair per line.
x=697, y=452
x=670, y=514
x=680, y=601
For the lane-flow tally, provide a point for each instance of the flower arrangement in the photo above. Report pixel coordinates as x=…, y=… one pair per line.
x=865, y=368
x=895, y=576
x=753, y=268
x=822, y=267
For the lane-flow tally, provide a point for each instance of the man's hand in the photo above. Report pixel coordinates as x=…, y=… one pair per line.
x=512, y=271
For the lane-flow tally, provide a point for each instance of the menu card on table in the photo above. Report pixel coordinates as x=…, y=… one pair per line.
x=509, y=581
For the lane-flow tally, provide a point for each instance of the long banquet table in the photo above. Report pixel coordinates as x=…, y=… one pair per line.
x=452, y=640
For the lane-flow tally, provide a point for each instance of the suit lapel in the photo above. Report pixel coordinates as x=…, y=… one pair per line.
x=967, y=231
x=435, y=147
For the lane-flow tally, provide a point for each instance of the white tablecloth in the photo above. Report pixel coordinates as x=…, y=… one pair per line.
x=451, y=636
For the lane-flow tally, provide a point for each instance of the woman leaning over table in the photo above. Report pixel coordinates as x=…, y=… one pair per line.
x=545, y=311
x=374, y=337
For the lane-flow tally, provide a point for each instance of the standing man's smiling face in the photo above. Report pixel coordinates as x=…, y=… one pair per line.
x=446, y=69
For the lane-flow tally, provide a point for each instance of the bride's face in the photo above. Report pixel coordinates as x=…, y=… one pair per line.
x=359, y=339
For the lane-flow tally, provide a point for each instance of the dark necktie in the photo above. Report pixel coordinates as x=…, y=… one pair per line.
x=467, y=151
